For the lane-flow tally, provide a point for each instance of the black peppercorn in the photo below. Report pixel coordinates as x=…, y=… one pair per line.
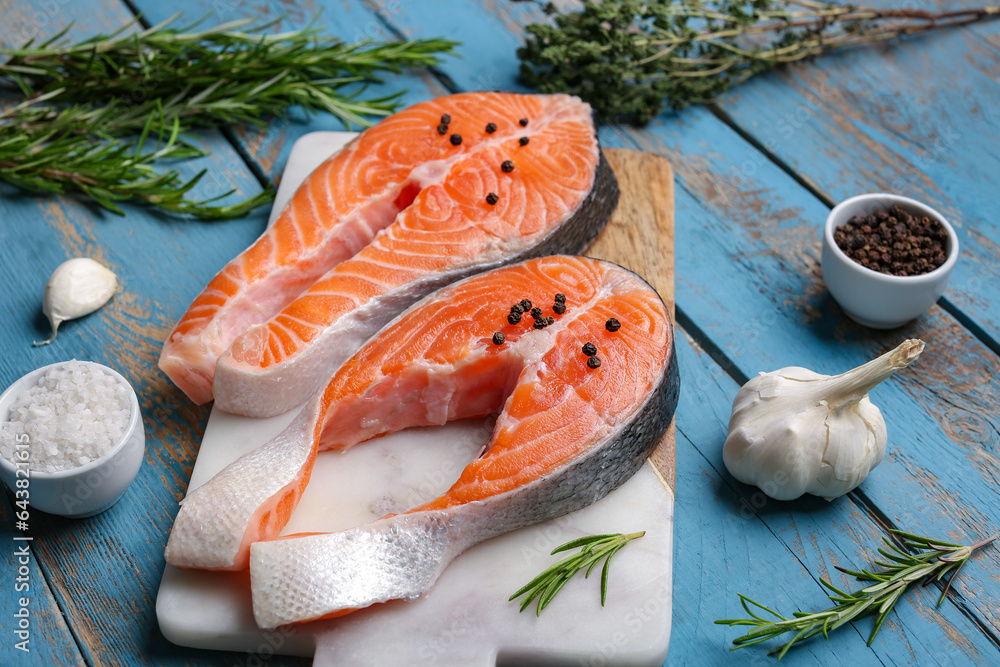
x=523, y=141
x=536, y=313
x=523, y=122
x=445, y=119
x=456, y=139
x=539, y=323
x=593, y=362
x=514, y=317
x=499, y=338
x=442, y=129
x=894, y=242
x=612, y=325
x=525, y=305
x=491, y=128
x=517, y=308
x=559, y=308
x=492, y=198
x=589, y=349
x=507, y=166
x=560, y=297
x=550, y=320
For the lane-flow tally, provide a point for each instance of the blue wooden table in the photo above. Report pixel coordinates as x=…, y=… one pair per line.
x=756, y=175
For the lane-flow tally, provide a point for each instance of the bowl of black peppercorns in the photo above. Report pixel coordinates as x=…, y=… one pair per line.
x=886, y=258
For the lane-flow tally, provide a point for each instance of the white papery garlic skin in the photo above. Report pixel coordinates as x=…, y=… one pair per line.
x=76, y=288
x=794, y=431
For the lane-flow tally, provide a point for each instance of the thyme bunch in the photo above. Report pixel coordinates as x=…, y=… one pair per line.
x=629, y=58
x=593, y=549
x=89, y=109
x=900, y=569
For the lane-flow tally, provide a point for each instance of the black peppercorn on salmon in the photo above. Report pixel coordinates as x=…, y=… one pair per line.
x=432, y=194
x=566, y=434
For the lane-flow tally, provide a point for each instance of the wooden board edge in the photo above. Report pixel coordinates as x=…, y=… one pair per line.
x=640, y=236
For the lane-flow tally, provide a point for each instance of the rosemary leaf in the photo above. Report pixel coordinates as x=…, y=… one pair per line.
x=594, y=548
x=879, y=599
x=232, y=72
x=65, y=158
x=91, y=108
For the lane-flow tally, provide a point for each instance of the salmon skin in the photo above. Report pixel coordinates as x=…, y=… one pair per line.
x=566, y=435
x=408, y=206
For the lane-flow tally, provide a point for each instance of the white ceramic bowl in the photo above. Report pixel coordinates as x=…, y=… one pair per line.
x=91, y=488
x=875, y=299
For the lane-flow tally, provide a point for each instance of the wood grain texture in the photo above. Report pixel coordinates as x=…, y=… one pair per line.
x=347, y=20
x=104, y=571
x=640, y=233
x=749, y=281
x=917, y=117
x=732, y=539
x=640, y=237
x=49, y=640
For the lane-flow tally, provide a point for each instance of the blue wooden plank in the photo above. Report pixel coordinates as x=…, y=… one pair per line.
x=748, y=277
x=35, y=632
x=718, y=258
x=918, y=117
x=349, y=20
x=105, y=571
x=490, y=32
x=730, y=540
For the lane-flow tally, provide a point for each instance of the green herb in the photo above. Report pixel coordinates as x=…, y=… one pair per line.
x=218, y=75
x=90, y=107
x=900, y=570
x=628, y=58
x=64, y=158
x=594, y=549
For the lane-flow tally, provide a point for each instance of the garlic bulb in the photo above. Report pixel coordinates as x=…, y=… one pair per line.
x=794, y=431
x=76, y=288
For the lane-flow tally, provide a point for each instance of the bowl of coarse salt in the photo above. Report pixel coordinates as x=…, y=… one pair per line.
x=71, y=438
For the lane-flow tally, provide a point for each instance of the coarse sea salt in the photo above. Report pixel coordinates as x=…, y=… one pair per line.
x=75, y=414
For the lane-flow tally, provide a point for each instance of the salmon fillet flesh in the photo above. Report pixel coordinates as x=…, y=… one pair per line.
x=408, y=206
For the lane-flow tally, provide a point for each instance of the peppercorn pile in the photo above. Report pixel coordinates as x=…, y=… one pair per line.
x=894, y=242
x=541, y=321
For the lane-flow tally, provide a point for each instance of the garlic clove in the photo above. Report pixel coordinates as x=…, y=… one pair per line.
x=76, y=288
x=845, y=464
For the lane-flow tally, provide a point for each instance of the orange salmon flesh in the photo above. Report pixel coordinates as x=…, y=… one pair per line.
x=398, y=212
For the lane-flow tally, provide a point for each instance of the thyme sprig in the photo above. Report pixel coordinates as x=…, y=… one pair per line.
x=628, y=58
x=89, y=110
x=900, y=569
x=594, y=548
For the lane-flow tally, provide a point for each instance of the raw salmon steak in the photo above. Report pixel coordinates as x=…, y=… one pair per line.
x=432, y=194
x=568, y=432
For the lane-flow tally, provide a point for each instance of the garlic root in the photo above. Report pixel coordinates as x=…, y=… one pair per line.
x=793, y=431
x=76, y=288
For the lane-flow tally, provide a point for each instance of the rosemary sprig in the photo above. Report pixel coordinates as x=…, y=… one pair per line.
x=900, y=569
x=630, y=57
x=594, y=549
x=89, y=109
x=65, y=158
x=231, y=72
